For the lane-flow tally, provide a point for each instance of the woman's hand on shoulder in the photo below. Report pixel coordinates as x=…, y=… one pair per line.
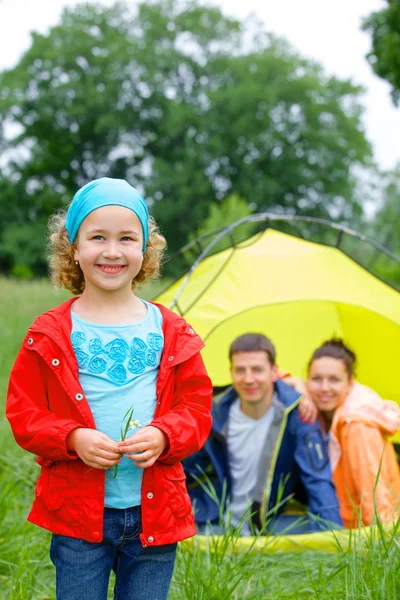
x=94, y=448
x=145, y=446
x=307, y=409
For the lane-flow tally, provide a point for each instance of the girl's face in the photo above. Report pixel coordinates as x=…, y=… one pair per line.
x=328, y=383
x=109, y=248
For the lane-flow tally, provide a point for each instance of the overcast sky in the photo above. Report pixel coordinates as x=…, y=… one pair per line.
x=325, y=30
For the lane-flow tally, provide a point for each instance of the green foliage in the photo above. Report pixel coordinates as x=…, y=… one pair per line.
x=22, y=272
x=23, y=246
x=385, y=228
x=187, y=104
x=384, y=26
x=229, y=210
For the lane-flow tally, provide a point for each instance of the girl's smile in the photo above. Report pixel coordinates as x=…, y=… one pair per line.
x=111, y=269
x=109, y=248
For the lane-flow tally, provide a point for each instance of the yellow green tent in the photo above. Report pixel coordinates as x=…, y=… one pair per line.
x=339, y=541
x=298, y=293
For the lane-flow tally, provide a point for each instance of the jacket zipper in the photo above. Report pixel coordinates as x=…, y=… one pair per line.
x=267, y=491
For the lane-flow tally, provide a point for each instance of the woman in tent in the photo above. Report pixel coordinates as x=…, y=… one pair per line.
x=357, y=423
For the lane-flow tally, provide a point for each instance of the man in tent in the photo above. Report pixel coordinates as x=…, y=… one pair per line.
x=260, y=454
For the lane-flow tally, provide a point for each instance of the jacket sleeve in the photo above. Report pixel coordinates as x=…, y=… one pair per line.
x=315, y=473
x=366, y=456
x=188, y=423
x=35, y=428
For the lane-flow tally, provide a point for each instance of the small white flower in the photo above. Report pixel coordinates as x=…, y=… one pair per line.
x=136, y=424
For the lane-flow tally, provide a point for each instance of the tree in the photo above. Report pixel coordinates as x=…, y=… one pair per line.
x=384, y=26
x=385, y=228
x=188, y=105
x=230, y=210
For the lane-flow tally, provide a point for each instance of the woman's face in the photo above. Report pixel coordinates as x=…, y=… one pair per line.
x=328, y=383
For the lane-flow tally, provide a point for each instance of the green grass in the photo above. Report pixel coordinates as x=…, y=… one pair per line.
x=214, y=573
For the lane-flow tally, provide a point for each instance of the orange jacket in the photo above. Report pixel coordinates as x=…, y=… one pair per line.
x=359, y=450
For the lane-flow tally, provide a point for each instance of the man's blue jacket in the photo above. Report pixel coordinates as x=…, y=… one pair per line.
x=294, y=464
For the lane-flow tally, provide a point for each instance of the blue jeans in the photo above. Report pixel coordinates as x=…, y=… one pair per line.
x=83, y=568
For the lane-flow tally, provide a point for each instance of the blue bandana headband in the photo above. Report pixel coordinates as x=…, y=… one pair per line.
x=106, y=192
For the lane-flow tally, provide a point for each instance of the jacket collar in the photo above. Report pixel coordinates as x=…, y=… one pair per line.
x=180, y=340
x=286, y=395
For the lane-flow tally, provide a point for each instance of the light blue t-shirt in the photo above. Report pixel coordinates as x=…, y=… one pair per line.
x=118, y=370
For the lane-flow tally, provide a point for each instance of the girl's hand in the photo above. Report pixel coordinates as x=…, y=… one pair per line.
x=144, y=446
x=96, y=449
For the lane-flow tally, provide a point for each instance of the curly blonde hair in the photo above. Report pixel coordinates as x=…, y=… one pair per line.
x=64, y=272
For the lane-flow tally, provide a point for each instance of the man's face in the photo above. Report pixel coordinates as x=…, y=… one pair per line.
x=253, y=377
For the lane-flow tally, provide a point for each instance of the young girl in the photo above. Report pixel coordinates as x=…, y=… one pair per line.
x=111, y=393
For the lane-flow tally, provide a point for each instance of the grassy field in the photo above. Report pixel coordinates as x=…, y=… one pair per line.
x=26, y=572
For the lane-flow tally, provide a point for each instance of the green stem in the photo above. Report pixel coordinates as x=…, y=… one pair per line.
x=124, y=430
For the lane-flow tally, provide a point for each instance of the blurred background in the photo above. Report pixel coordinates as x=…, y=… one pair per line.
x=214, y=111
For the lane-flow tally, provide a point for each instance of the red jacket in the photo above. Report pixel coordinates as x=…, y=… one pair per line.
x=46, y=401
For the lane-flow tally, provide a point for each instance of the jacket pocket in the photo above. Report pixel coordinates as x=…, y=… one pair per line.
x=178, y=497
x=52, y=485
x=316, y=450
